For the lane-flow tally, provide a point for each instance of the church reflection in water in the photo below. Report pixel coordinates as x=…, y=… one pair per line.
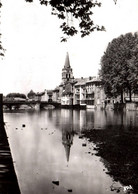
x=67, y=131
x=67, y=141
x=75, y=122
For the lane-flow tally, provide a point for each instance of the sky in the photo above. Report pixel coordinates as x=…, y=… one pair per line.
x=34, y=55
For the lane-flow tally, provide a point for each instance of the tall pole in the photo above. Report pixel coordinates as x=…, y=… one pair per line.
x=1, y=109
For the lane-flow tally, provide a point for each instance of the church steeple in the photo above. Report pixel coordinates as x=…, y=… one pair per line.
x=67, y=74
x=67, y=141
x=67, y=62
x=67, y=151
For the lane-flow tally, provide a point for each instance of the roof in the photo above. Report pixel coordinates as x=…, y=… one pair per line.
x=56, y=89
x=83, y=81
x=94, y=79
x=40, y=94
x=49, y=92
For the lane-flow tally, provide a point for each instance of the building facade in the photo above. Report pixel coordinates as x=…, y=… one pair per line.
x=83, y=92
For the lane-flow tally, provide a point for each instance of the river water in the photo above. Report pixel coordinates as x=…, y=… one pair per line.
x=51, y=156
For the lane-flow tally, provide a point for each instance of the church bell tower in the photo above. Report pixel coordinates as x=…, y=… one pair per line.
x=67, y=74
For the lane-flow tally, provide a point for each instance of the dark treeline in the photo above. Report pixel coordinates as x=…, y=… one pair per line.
x=16, y=95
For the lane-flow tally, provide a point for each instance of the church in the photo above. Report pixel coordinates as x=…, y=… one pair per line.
x=78, y=92
x=66, y=88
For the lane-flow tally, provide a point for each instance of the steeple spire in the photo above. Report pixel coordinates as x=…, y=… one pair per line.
x=67, y=141
x=67, y=151
x=67, y=74
x=67, y=62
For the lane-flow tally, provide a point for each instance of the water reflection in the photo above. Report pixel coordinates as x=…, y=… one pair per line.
x=67, y=141
x=79, y=120
x=49, y=148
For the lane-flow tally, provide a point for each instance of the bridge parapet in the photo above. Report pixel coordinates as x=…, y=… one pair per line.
x=46, y=103
x=33, y=104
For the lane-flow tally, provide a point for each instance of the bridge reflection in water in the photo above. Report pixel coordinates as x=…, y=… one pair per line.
x=53, y=147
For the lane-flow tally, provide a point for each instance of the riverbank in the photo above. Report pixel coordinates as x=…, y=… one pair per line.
x=8, y=179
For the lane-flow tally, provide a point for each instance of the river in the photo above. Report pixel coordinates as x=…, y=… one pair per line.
x=51, y=155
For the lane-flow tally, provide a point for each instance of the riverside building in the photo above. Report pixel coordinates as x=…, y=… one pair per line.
x=83, y=92
x=78, y=92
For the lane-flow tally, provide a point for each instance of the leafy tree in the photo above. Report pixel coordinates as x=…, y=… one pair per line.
x=16, y=95
x=69, y=10
x=1, y=48
x=119, y=66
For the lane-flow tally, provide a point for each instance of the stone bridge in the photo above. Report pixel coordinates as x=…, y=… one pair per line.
x=33, y=104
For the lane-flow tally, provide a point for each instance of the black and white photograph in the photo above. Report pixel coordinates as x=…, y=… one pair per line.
x=68, y=96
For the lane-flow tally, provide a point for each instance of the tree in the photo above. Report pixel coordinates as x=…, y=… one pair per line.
x=16, y=95
x=1, y=47
x=69, y=10
x=119, y=66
